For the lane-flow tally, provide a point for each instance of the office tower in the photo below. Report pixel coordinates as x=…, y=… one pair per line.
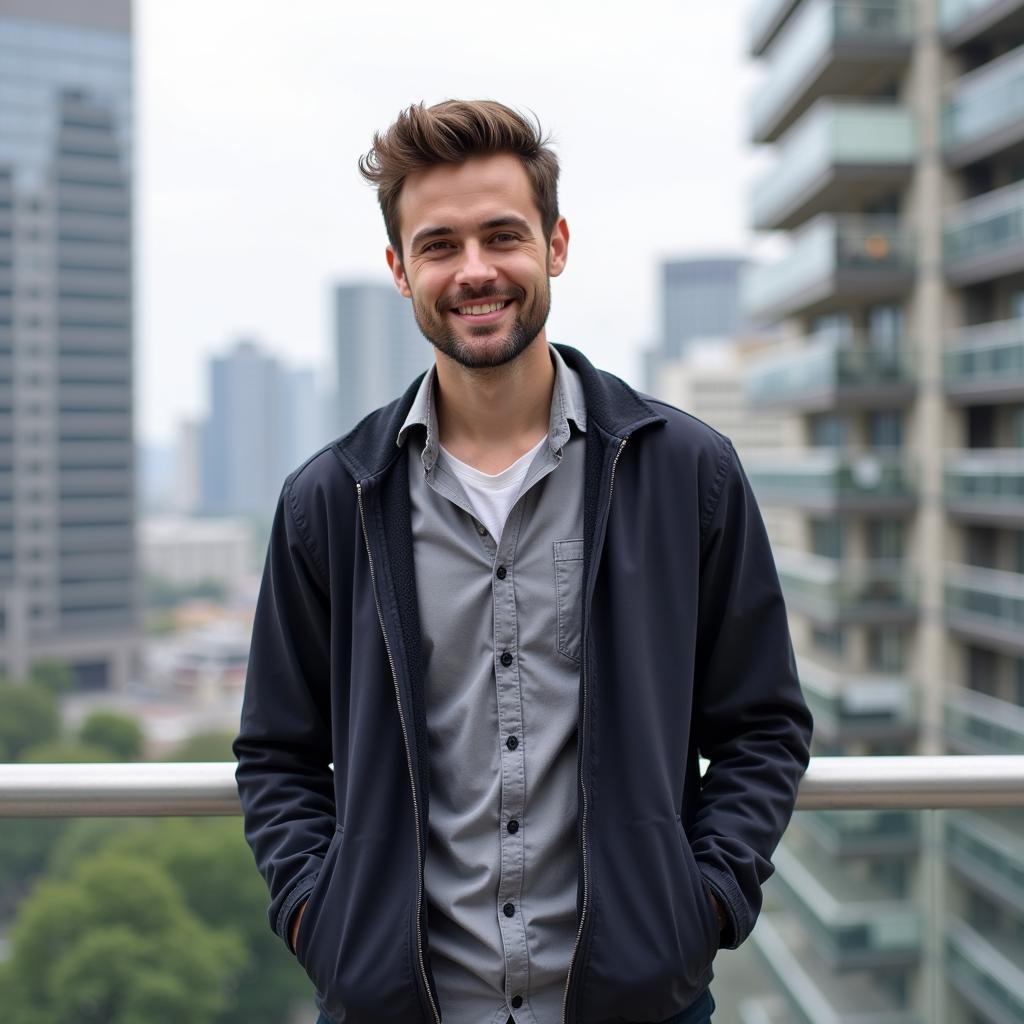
x=67, y=505
x=378, y=350
x=898, y=129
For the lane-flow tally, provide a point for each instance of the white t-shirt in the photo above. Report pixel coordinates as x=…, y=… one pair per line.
x=492, y=497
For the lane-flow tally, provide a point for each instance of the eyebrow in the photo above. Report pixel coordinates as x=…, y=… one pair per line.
x=504, y=221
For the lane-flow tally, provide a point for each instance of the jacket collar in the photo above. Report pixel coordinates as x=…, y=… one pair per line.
x=369, y=449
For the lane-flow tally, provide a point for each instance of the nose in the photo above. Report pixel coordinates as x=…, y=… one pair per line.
x=474, y=267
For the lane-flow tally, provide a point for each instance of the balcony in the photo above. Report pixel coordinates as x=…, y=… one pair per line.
x=984, y=236
x=987, y=851
x=858, y=707
x=834, y=259
x=839, y=154
x=979, y=724
x=833, y=372
x=764, y=20
x=984, y=113
x=964, y=21
x=832, y=480
x=985, y=363
x=830, y=47
x=986, y=605
x=832, y=592
x=985, y=970
x=986, y=485
x=863, y=834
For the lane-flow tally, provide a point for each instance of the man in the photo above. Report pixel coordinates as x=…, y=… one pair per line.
x=511, y=608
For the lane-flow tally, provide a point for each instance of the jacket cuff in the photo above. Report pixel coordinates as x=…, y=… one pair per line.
x=302, y=888
x=729, y=895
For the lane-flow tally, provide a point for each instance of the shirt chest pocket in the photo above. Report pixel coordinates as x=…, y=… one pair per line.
x=569, y=596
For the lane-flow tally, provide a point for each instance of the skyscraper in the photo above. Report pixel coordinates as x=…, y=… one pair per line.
x=700, y=299
x=67, y=506
x=378, y=349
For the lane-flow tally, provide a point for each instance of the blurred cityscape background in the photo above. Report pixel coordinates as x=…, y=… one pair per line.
x=860, y=338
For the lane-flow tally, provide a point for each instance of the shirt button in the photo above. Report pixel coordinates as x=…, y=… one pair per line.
x=506, y=659
x=511, y=743
x=481, y=529
x=513, y=826
x=508, y=910
x=517, y=1001
x=502, y=572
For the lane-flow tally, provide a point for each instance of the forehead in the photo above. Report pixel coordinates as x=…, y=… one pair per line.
x=453, y=194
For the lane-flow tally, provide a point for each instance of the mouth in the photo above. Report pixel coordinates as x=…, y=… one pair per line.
x=481, y=312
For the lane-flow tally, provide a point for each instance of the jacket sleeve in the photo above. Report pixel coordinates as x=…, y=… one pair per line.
x=284, y=744
x=750, y=719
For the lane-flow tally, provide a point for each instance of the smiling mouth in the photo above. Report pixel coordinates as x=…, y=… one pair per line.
x=471, y=310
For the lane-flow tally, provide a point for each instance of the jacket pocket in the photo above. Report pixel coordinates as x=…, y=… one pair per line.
x=314, y=901
x=703, y=894
x=569, y=596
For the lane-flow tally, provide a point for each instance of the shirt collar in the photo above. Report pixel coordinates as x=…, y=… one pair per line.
x=567, y=404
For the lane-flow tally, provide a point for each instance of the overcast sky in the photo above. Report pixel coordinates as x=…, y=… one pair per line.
x=251, y=115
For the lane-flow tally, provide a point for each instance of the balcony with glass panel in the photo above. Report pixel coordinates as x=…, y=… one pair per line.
x=840, y=153
x=882, y=834
x=833, y=480
x=984, y=111
x=985, y=363
x=986, y=485
x=984, y=236
x=833, y=259
x=830, y=591
x=965, y=21
x=986, y=605
x=764, y=20
x=986, y=850
x=830, y=48
x=976, y=723
x=986, y=971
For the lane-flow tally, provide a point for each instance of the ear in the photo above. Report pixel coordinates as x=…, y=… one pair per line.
x=398, y=272
x=558, y=248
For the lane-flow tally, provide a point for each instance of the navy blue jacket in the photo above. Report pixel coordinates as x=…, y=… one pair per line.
x=686, y=651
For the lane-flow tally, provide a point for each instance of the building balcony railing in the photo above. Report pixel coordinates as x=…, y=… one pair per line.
x=988, y=855
x=764, y=21
x=860, y=834
x=830, y=47
x=985, y=110
x=986, y=605
x=984, y=236
x=986, y=971
x=834, y=480
x=838, y=152
x=834, y=258
x=979, y=724
x=986, y=485
x=831, y=591
x=962, y=21
x=985, y=362
x=832, y=372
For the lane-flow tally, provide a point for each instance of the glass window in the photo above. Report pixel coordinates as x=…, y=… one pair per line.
x=886, y=649
x=885, y=538
x=827, y=537
x=827, y=430
x=885, y=428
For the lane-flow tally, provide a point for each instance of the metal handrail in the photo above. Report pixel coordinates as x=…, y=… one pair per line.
x=153, y=789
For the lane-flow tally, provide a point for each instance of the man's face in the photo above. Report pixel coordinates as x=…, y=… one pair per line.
x=475, y=261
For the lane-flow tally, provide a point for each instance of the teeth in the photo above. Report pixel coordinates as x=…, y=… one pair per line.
x=478, y=310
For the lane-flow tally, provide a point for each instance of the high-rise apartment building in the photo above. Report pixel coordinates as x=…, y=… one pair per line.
x=898, y=129
x=378, y=350
x=67, y=505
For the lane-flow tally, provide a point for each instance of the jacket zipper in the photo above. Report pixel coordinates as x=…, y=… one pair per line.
x=408, y=760
x=583, y=789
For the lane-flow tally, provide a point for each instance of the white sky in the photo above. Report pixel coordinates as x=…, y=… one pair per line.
x=251, y=115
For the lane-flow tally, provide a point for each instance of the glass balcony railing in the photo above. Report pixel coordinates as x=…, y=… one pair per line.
x=989, y=851
x=953, y=13
x=829, y=477
x=984, y=236
x=832, y=134
x=829, y=253
x=830, y=589
x=986, y=600
x=986, y=971
x=762, y=21
x=985, y=358
x=991, y=478
x=985, y=101
x=863, y=833
x=979, y=724
x=816, y=30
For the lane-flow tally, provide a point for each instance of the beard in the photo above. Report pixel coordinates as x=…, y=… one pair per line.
x=526, y=325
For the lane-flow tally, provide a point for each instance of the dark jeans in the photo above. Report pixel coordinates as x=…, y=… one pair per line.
x=697, y=1013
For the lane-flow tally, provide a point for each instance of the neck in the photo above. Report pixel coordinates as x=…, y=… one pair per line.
x=489, y=418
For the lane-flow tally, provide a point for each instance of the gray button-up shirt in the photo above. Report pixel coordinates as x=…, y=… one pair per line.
x=501, y=628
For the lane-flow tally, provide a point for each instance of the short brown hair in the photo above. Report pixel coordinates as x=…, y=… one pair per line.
x=450, y=133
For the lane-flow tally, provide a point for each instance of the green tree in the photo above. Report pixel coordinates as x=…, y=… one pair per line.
x=120, y=734
x=205, y=746
x=65, y=752
x=28, y=715
x=116, y=943
x=54, y=676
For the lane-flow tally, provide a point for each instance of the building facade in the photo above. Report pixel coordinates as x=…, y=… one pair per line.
x=898, y=183
x=68, y=586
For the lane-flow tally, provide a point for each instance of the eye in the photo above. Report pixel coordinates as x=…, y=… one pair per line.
x=437, y=246
x=504, y=236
